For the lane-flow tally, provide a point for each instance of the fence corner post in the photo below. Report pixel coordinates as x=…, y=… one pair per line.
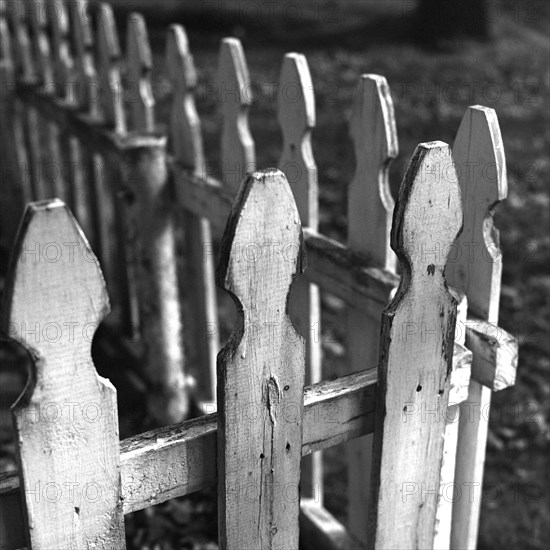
x=151, y=236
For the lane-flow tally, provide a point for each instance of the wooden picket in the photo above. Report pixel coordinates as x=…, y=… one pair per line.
x=296, y=114
x=479, y=155
x=417, y=331
x=113, y=225
x=11, y=148
x=63, y=70
x=48, y=134
x=66, y=421
x=370, y=207
x=148, y=183
x=237, y=146
x=187, y=151
x=85, y=184
x=262, y=367
x=25, y=119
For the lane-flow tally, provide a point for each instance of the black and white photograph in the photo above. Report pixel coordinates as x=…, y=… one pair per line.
x=274, y=274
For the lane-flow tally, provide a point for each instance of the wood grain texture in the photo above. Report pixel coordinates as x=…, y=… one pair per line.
x=66, y=421
x=296, y=115
x=415, y=356
x=261, y=368
x=139, y=63
x=238, y=155
x=187, y=150
x=479, y=156
x=370, y=210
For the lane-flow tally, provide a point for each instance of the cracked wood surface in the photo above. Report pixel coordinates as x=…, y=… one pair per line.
x=415, y=356
x=67, y=431
x=260, y=371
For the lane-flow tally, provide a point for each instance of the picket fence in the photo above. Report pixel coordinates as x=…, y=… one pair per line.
x=415, y=426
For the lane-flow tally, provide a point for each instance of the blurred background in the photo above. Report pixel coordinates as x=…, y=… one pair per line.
x=439, y=56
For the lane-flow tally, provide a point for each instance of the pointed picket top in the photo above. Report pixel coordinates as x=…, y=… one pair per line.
x=264, y=200
x=416, y=358
x=21, y=45
x=185, y=125
x=108, y=69
x=263, y=365
x=61, y=55
x=187, y=148
x=87, y=87
x=370, y=203
x=428, y=211
x=479, y=157
x=52, y=250
x=296, y=115
x=238, y=155
x=66, y=419
x=139, y=61
x=36, y=20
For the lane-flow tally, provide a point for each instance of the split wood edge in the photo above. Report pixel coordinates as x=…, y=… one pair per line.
x=414, y=371
x=261, y=367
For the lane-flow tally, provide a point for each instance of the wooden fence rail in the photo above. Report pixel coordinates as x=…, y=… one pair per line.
x=80, y=126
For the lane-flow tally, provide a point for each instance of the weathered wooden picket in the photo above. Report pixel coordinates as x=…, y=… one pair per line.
x=78, y=124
